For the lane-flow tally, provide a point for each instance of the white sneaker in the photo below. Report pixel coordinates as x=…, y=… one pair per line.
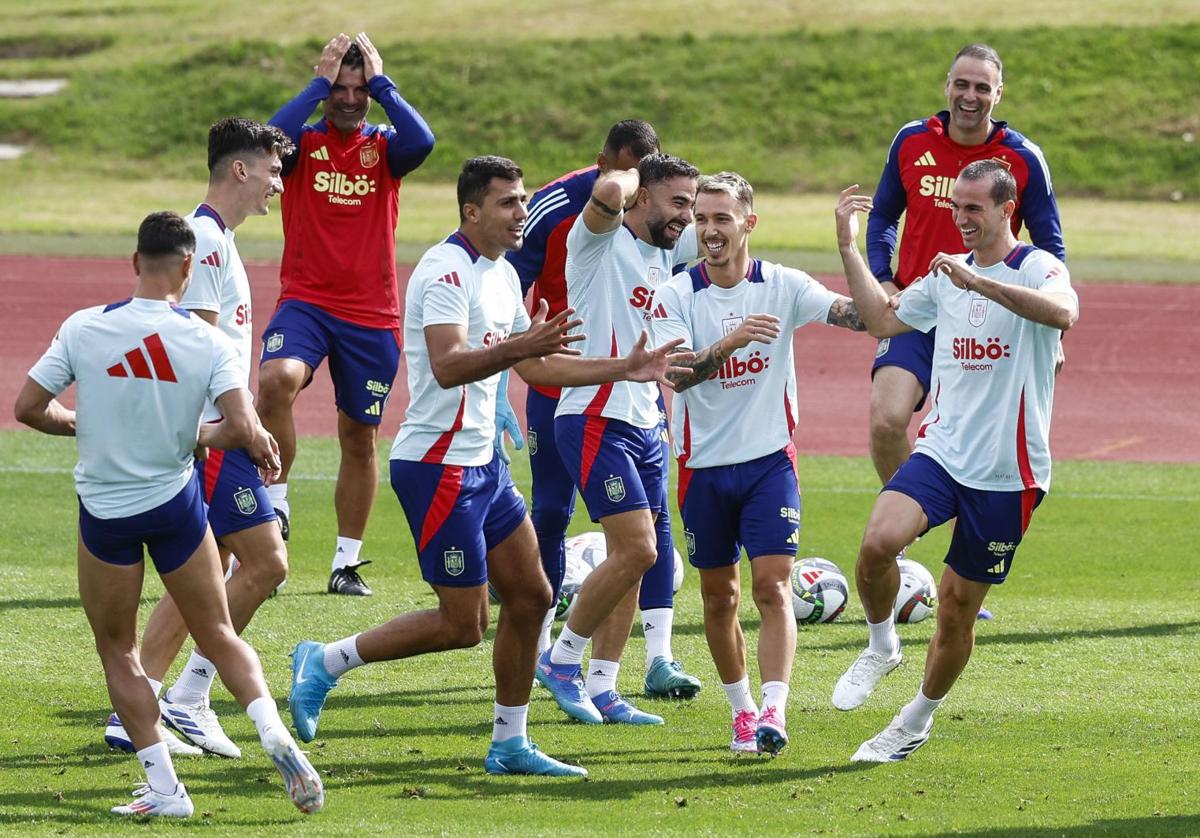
x=150, y=803
x=303, y=783
x=893, y=744
x=745, y=733
x=117, y=737
x=199, y=724
x=860, y=680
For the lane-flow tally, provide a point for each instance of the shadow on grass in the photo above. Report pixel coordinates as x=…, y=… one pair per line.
x=1167, y=825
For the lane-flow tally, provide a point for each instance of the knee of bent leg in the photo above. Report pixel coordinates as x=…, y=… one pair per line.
x=269, y=570
x=464, y=629
x=277, y=384
x=889, y=418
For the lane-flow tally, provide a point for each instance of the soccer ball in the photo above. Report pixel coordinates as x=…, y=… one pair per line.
x=677, y=582
x=819, y=591
x=917, y=596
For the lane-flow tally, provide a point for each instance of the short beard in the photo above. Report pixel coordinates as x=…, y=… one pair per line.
x=658, y=235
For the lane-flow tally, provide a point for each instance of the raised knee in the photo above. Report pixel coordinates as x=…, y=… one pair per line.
x=267, y=572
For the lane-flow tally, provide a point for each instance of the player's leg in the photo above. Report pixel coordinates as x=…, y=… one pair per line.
x=552, y=498
x=363, y=364
x=899, y=384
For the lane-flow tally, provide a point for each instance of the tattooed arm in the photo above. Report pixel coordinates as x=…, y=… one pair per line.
x=844, y=313
x=762, y=328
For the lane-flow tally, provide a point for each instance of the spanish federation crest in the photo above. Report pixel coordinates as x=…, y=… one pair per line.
x=368, y=156
x=247, y=504
x=882, y=349
x=978, y=312
x=454, y=562
x=532, y=443
x=690, y=537
x=653, y=277
x=275, y=342
x=615, y=488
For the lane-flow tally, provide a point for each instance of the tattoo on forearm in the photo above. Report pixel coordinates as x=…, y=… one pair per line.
x=702, y=366
x=604, y=208
x=845, y=314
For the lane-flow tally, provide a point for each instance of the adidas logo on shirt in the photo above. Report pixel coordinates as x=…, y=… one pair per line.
x=321, y=153
x=135, y=364
x=926, y=159
x=451, y=279
x=213, y=259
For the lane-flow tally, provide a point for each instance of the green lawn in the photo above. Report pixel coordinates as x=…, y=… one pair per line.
x=1077, y=716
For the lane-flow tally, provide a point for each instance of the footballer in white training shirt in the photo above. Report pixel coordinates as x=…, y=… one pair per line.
x=982, y=456
x=734, y=415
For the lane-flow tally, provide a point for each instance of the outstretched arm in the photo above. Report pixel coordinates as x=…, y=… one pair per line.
x=641, y=364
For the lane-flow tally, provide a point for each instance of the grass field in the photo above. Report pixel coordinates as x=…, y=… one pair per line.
x=1077, y=716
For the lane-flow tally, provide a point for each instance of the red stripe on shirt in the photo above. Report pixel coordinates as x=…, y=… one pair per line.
x=927, y=423
x=604, y=393
x=212, y=472
x=437, y=452
x=444, y=498
x=685, y=473
x=1023, y=465
x=158, y=357
x=137, y=363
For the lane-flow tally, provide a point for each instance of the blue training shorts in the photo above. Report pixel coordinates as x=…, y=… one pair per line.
x=990, y=524
x=171, y=532
x=362, y=361
x=553, y=491
x=457, y=514
x=233, y=489
x=755, y=505
x=912, y=351
x=617, y=467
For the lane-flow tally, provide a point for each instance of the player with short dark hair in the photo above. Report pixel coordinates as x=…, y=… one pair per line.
x=144, y=370
x=338, y=298
x=982, y=455
x=464, y=323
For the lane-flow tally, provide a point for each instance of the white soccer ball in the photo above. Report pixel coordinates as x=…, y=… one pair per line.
x=677, y=582
x=917, y=596
x=819, y=591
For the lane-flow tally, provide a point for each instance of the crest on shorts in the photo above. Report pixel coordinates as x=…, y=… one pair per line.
x=690, y=538
x=454, y=562
x=978, y=312
x=275, y=342
x=882, y=349
x=247, y=504
x=615, y=488
x=653, y=277
x=532, y=443
x=368, y=156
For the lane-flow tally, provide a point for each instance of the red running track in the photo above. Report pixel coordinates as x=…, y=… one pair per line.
x=1130, y=391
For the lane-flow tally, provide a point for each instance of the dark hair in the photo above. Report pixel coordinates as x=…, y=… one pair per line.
x=165, y=234
x=228, y=137
x=637, y=135
x=982, y=52
x=476, y=177
x=353, y=58
x=1004, y=185
x=655, y=168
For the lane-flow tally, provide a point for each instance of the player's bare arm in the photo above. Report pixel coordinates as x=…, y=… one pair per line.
x=37, y=408
x=454, y=364
x=372, y=61
x=330, y=62
x=611, y=196
x=1049, y=308
x=641, y=364
x=755, y=328
x=844, y=313
x=870, y=299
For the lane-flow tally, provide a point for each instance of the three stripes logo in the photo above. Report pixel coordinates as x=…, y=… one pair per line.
x=136, y=366
x=213, y=259
x=451, y=279
x=926, y=159
x=998, y=567
x=374, y=410
x=321, y=153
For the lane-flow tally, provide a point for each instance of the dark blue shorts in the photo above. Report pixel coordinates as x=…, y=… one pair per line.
x=912, y=351
x=457, y=514
x=990, y=524
x=233, y=489
x=362, y=361
x=553, y=492
x=617, y=467
x=171, y=532
x=755, y=505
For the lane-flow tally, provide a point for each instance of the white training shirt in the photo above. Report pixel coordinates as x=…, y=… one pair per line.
x=747, y=409
x=220, y=285
x=143, y=370
x=993, y=375
x=454, y=284
x=611, y=279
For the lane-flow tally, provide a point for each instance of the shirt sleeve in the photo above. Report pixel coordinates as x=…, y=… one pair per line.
x=671, y=320
x=811, y=300
x=409, y=140
x=919, y=305
x=883, y=222
x=290, y=118
x=227, y=371
x=444, y=299
x=585, y=250
x=204, y=291
x=54, y=370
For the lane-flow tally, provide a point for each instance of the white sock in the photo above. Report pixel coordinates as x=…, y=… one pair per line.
x=155, y=685
x=277, y=493
x=265, y=715
x=738, y=694
x=160, y=773
x=569, y=647
x=884, y=640
x=775, y=694
x=346, y=552
x=656, y=625
x=195, y=682
x=547, y=626
x=602, y=676
x=916, y=715
x=342, y=656
x=510, y=722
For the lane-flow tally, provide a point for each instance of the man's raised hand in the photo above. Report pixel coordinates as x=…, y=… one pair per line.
x=550, y=336
x=372, y=61
x=642, y=364
x=754, y=328
x=849, y=205
x=330, y=62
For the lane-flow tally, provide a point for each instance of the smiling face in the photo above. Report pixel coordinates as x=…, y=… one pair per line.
x=497, y=223
x=980, y=220
x=723, y=227
x=668, y=207
x=973, y=89
x=263, y=181
x=348, y=100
